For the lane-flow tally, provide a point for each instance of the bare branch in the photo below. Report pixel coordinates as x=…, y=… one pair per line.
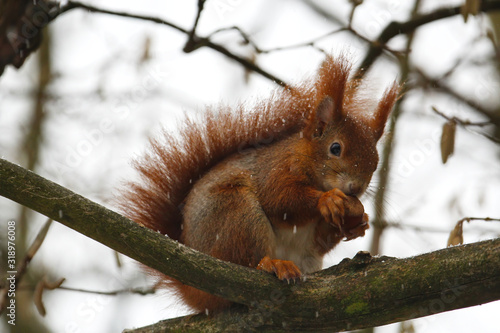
x=138, y=290
x=486, y=219
x=461, y=121
x=438, y=85
x=23, y=265
x=385, y=168
x=398, y=28
x=52, y=11
x=195, y=41
x=456, y=235
x=190, y=44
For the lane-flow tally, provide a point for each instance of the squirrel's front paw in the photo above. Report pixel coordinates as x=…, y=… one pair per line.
x=355, y=226
x=355, y=219
x=284, y=269
x=331, y=205
x=344, y=212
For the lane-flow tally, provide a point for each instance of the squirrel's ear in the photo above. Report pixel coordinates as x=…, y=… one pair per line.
x=384, y=109
x=322, y=116
x=325, y=110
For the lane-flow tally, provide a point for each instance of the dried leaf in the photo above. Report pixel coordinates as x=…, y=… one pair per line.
x=406, y=327
x=475, y=7
x=491, y=36
x=456, y=235
x=494, y=32
x=118, y=260
x=146, y=51
x=470, y=7
x=448, y=140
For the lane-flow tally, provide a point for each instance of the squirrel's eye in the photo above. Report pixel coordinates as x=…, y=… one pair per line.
x=335, y=149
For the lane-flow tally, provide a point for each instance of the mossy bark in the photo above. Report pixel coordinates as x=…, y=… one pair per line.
x=358, y=293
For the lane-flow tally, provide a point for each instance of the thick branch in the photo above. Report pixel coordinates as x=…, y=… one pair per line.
x=137, y=242
x=357, y=293
x=366, y=292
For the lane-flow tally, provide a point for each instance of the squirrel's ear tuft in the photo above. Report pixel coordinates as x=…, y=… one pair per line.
x=323, y=116
x=384, y=109
x=325, y=110
x=333, y=78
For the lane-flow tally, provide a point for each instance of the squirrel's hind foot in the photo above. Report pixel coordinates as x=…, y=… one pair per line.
x=284, y=269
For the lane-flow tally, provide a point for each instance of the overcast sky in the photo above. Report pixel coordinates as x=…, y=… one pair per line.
x=105, y=102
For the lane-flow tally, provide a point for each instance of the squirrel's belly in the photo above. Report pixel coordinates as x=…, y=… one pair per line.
x=297, y=244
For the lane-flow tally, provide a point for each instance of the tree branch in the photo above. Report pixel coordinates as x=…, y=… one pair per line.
x=194, y=41
x=23, y=265
x=191, y=44
x=438, y=85
x=357, y=293
x=389, y=145
x=125, y=236
x=398, y=28
x=16, y=44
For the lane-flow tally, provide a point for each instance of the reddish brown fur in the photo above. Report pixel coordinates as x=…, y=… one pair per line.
x=173, y=165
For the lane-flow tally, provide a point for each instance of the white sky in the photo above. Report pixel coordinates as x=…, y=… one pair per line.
x=96, y=53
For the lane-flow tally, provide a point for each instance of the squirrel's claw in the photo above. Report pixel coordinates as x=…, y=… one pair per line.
x=355, y=226
x=358, y=230
x=283, y=269
x=344, y=212
x=332, y=208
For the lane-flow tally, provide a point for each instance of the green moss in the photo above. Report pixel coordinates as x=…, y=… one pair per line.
x=356, y=307
x=378, y=283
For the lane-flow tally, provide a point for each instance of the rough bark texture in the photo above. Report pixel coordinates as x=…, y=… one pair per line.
x=357, y=293
x=131, y=239
x=364, y=292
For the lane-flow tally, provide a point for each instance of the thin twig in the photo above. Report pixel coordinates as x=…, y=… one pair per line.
x=398, y=28
x=138, y=290
x=197, y=40
x=415, y=227
x=355, y=4
x=385, y=167
x=438, y=85
x=322, y=12
x=190, y=44
x=456, y=236
x=21, y=268
x=304, y=44
x=245, y=36
x=461, y=121
x=487, y=219
x=23, y=265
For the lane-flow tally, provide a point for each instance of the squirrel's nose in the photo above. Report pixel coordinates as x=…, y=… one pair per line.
x=354, y=188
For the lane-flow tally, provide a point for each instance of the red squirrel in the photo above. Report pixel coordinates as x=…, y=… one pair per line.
x=274, y=186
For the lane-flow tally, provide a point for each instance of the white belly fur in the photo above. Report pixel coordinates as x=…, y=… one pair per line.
x=297, y=244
